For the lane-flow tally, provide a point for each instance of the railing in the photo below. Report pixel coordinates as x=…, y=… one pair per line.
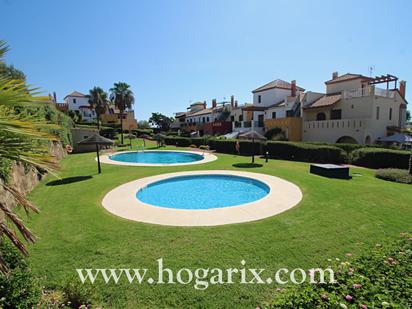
x=368, y=91
x=335, y=124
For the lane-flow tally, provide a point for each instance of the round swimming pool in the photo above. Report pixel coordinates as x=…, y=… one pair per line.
x=156, y=157
x=202, y=192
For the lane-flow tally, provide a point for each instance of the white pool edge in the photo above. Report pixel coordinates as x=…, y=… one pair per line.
x=207, y=157
x=122, y=202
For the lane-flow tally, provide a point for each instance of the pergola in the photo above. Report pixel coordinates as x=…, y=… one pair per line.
x=388, y=78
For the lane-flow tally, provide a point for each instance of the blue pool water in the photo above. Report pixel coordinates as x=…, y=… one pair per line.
x=202, y=192
x=156, y=157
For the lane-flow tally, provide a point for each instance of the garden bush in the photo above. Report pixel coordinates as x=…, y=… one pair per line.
x=139, y=132
x=177, y=141
x=381, y=158
x=246, y=148
x=18, y=288
x=108, y=132
x=377, y=279
x=275, y=134
x=306, y=152
x=394, y=174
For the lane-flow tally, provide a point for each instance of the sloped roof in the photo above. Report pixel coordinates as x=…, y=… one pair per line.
x=75, y=94
x=201, y=112
x=326, y=100
x=346, y=77
x=277, y=83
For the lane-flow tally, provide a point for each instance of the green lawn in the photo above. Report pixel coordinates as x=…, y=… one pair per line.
x=334, y=217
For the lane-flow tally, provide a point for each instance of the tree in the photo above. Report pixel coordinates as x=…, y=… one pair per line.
x=161, y=121
x=408, y=116
x=143, y=124
x=24, y=139
x=11, y=72
x=123, y=98
x=98, y=101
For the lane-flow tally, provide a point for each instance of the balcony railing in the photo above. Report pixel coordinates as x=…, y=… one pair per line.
x=368, y=91
x=335, y=124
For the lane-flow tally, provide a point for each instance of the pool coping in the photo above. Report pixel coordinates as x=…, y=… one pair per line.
x=207, y=157
x=122, y=202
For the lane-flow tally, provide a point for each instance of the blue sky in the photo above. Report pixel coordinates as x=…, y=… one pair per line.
x=174, y=52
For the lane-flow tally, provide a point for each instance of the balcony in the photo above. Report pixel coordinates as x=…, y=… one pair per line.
x=368, y=91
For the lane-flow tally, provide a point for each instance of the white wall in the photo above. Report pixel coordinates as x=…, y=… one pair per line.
x=75, y=102
x=270, y=96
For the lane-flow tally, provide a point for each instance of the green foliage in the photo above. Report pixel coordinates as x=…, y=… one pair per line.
x=18, y=288
x=5, y=167
x=143, y=124
x=377, y=279
x=306, y=152
x=275, y=134
x=140, y=132
x=76, y=294
x=381, y=158
x=10, y=72
x=204, y=147
x=161, y=121
x=394, y=174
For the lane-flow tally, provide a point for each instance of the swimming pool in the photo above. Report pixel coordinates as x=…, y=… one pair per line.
x=123, y=201
x=203, y=192
x=158, y=158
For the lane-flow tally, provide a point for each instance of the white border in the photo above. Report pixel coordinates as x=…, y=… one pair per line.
x=207, y=157
x=122, y=202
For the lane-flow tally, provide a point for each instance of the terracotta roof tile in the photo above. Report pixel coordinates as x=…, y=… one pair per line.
x=75, y=94
x=327, y=100
x=345, y=77
x=278, y=83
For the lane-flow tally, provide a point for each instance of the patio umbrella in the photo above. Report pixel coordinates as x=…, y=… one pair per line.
x=397, y=138
x=252, y=135
x=97, y=140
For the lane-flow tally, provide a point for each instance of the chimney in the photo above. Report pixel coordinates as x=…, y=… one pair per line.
x=335, y=75
x=402, y=88
x=232, y=101
x=204, y=104
x=235, y=103
x=293, y=88
x=54, y=97
x=214, y=104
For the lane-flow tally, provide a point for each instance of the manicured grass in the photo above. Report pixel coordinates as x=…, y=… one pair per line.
x=334, y=217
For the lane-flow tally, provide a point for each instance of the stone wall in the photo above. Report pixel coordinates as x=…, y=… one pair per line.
x=24, y=179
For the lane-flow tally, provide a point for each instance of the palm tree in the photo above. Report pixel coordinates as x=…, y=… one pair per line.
x=98, y=101
x=22, y=139
x=123, y=99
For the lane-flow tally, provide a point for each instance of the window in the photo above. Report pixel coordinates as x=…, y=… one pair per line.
x=273, y=115
x=203, y=119
x=74, y=101
x=377, y=112
x=259, y=99
x=289, y=113
x=232, y=118
x=336, y=114
x=390, y=113
x=320, y=116
x=207, y=119
x=241, y=118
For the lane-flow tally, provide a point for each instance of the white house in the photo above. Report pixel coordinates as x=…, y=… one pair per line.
x=77, y=101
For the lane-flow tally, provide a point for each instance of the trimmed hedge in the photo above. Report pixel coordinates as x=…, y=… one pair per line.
x=306, y=152
x=394, y=174
x=381, y=158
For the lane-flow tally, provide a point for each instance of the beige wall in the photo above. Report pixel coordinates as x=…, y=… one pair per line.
x=338, y=87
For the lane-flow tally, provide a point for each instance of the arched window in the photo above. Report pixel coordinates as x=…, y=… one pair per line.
x=320, y=116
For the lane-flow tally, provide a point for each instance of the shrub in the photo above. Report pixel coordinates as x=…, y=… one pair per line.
x=177, y=141
x=275, y=134
x=109, y=132
x=377, y=279
x=381, y=158
x=306, y=152
x=204, y=147
x=192, y=146
x=139, y=132
x=18, y=289
x=76, y=294
x=246, y=148
x=393, y=174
